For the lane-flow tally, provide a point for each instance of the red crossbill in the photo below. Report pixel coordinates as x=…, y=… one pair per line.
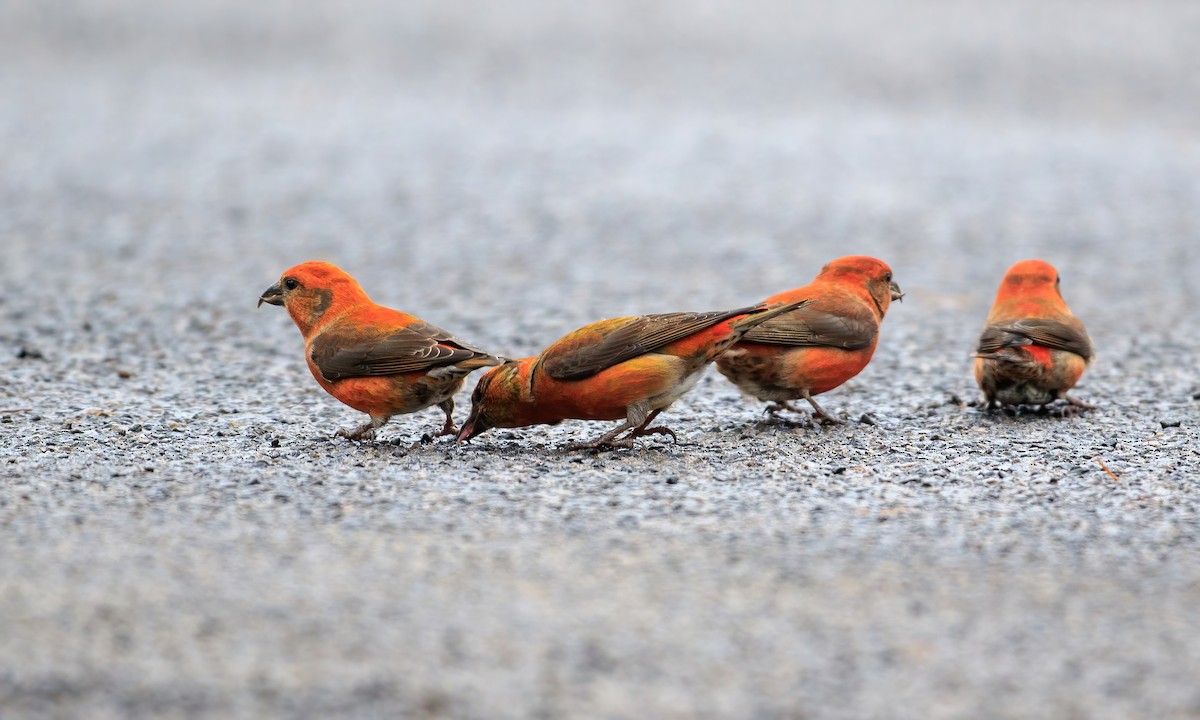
x=376, y=360
x=818, y=347
x=1032, y=349
x=629, y=368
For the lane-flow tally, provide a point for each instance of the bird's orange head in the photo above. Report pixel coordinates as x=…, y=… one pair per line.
x=1030, y=279
x=871, y=274
x=499, y=399
x=313, y=291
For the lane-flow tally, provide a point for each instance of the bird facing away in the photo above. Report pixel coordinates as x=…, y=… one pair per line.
x=1032, y=349
x=376, y=360
x=629, y=368
x=815, y=348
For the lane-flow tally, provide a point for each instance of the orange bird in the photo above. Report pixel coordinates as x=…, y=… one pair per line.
x=1032, y=349
x=628, y=367
x=815, y=348
x=377, y=360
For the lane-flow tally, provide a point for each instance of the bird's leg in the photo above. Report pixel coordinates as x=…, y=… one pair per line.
x=366, y=431
x=819, y=414
x=1074, y=407
x=642, y=430
x=1078, y=403
x=449, y=427
x=607, y=440
x=638, y=415
x=778, y=406
x=775, y=407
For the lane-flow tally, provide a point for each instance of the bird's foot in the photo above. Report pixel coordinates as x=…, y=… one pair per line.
x=1078, y=403
x=1074, y=407
x=824, y=418
x=819, y=416
x=362, y=432
x=814, y=420
x=447, y=429
x=988, y=406
x=659, y=430
x=774, y=410
x=776, y=407
x=775, y=419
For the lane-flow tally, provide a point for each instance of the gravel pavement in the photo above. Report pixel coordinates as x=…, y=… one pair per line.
x=181, y=536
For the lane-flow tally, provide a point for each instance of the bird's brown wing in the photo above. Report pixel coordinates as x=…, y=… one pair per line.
x=602, y=345
x=420, y=346
x=808, y=327
x=1068, y=336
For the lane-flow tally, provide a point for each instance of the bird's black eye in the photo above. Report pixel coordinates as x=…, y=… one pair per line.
x=290, y=283
x=888, y=277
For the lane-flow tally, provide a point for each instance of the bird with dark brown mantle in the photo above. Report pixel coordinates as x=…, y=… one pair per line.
x=1032, y=349
x=816, y=348
x=627, y=368
x=377, y=360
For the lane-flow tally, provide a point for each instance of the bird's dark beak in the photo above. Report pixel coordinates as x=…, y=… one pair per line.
x=272, y=295
x=475, y=425
x=896, y=294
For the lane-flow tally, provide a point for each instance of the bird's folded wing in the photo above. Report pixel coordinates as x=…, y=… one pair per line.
x=1056, y=335
x=591, y=349
x=808, y=327
x=419, y=346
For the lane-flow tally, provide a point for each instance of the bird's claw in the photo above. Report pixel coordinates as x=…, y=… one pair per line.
x=813, y=419
x=1074, y=408
x=826, y=419
x=447, y=429
x=366, y=432
x=659, y=430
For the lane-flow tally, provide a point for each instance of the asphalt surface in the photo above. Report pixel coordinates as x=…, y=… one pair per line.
x=181, y=536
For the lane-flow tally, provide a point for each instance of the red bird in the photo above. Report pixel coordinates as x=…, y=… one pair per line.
x=1032, y=349
x=377, y=360
x=629, y=368
x=815, y=348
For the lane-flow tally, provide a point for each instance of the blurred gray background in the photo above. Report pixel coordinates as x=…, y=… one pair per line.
x=181, y=537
